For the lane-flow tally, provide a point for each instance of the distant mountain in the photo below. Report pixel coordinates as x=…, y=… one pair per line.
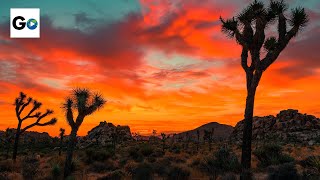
x=221, y=132
x=287, y=126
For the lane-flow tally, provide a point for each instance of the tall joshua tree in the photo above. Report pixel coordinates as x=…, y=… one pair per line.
x=248, y=28
x=61, y=139
x=21, y=103
x=85, y=103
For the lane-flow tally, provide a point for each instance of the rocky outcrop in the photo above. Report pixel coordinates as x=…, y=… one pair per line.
x=105, y=132
x=32, y=137
x=220, y=132
x=288, y=126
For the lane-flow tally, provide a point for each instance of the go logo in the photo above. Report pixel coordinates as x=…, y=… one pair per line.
x=31, y=23
x=25, y=23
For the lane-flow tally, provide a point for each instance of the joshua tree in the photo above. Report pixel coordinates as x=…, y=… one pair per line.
x=85, y=103
x=164, y=137
x=198, y=139
x=21, y=103
x=248, y=28
x=61, y=139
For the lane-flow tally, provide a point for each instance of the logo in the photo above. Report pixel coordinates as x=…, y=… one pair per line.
x=25, y=23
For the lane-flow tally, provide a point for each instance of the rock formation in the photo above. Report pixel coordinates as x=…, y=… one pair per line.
x=288, y=126
x=102, y=134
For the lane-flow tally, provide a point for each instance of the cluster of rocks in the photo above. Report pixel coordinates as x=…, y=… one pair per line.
x=105, y=133
x=30, y=137
x=288, y=126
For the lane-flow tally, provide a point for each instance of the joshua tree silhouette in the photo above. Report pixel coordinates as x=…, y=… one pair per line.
x=61, y=139
x=21, y=103
x=248, y=28
x=86, y=103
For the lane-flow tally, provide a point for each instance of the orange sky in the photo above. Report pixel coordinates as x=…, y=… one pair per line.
x=166, y=67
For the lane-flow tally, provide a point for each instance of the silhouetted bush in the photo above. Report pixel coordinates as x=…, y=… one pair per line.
x=100, y=167
x=161, y=167
x=30, y=167
x=229, y=176
x=178, y=173
x=224, y=160
x=271, y=154
x=283, y=171
x=143, y=172
x=175, y=149
x=56, y=171
x=98, y=155
x=146, y=149
x=115, y=175
x=135, y=154
x=6, y=166
x=312, y=167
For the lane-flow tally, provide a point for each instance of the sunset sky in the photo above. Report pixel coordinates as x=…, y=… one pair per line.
x=161, y=64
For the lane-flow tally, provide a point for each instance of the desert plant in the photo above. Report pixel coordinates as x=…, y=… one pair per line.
x=56, y=171
x=164, y=137
x=143, y=171
x=30, y=167
x=114, y=175
x=248, y=28
x=224, y=160
x=21, y=103
x=312, y=166
x=178, y=173
x=86, y=103
x=271, y=154
x=61, y=140
x=7, y=140
x=100, y=155
x=283, y=171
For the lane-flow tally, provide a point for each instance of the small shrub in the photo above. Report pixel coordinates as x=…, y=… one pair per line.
x=100, y=167
x=175, y=149
x=135, y=154
x=271, y=154
x=311, y=162
x=115, y=175
x=6, y=166
x=161, y=167
x=98, y=155
x=224, y=160
x=143, y=172
x=283, y=171
x=229, y=176
x=56, y=171
x=178, y=173
x=30, y=167
x=146, y=150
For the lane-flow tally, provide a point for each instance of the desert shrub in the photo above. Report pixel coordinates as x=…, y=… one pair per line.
x=178, y=173
x=146, y=149
x=98, y=155
x=283, y=171
x=100, y=167
x=271, y=154
x=223, y=160
x=130, y=167
x=56, y=171
x=312, y=167
x=161, y=167
x=30, y=167
x=176, y=158
x=229, y=176
x=135, y=154
x=6, y=166
x=143, y=172
x=311, y=162
x=175, y=149
x=114, y=175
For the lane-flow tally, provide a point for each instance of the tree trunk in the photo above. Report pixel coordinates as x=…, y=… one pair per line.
x=16, y=142
x=247, y=130
x=70, y=149
x=61, y=143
